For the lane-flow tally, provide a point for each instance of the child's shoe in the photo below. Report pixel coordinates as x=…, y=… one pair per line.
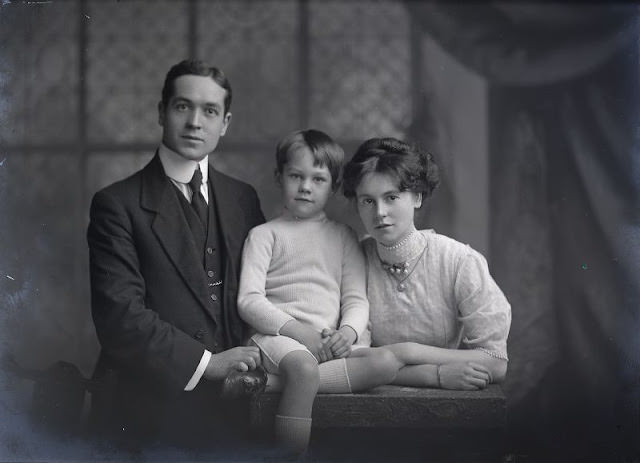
x=244, y=383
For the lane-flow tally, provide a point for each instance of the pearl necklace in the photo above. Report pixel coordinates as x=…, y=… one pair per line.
x=400, y=272
x=400, y=243
x=401, y=259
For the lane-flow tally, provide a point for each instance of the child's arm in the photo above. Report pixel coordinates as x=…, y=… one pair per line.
x=253, y=305
x=354, y=305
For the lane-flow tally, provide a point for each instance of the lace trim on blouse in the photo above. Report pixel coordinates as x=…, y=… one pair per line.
x=493, y=353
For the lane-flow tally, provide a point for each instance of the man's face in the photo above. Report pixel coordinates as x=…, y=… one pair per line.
x=193, y=120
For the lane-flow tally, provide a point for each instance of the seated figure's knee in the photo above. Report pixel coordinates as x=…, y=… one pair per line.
x=407, y=349
x=385, y=364
x=301, y=367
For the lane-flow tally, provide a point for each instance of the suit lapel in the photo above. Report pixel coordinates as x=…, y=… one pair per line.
x=172, y=229
x=229, y=222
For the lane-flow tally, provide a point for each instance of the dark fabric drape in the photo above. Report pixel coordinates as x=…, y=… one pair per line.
x=534, y=44
x=565, y=239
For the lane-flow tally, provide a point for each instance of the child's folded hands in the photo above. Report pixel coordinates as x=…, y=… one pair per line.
x=339, y=341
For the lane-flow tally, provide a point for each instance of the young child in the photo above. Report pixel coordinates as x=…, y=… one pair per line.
x=303, y=289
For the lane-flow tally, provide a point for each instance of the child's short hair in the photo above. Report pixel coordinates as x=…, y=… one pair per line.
x=414, y=169
x=324, y=150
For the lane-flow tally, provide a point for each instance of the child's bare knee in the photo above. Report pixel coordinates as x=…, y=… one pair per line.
x=300, y=366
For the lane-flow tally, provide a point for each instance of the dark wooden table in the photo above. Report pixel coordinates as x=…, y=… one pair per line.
x=393, y=423
x=399, y=407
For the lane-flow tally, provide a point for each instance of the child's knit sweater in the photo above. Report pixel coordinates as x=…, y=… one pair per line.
x=310, y=270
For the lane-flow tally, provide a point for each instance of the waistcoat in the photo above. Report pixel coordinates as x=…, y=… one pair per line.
x=209, y=247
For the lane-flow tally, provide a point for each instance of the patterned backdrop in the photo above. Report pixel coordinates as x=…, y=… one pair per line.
x=130, y=46
x=79, y=86
x=39, y=78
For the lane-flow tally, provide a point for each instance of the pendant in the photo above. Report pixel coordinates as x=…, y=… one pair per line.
x=401, y=287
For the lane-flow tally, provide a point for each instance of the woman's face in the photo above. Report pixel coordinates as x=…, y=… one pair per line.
x=386, y=212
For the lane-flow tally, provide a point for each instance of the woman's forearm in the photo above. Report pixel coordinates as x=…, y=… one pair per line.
x=418, y=376
x=411, y=353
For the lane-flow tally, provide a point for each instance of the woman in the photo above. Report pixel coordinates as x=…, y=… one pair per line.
x=432, y=300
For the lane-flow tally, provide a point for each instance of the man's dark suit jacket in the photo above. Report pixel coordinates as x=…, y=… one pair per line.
x=149, y=291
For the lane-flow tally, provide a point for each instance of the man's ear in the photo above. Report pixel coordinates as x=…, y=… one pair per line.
x=225, y=124
x=161, y=114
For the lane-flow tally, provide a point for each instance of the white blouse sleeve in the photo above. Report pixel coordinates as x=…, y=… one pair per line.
x=483, y=309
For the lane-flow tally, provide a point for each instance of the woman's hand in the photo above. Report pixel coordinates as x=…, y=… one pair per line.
x=468, y=376
x=339, y=341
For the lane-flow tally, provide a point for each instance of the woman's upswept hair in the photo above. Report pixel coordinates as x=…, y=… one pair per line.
x=414, y=169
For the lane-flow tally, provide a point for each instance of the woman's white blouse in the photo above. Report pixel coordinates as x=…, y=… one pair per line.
x=450, y=300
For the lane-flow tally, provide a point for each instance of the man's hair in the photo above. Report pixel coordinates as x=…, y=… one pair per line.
x=324, y=150
x=195, y=68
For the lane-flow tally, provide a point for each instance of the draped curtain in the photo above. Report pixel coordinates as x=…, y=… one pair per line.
x=564, y=181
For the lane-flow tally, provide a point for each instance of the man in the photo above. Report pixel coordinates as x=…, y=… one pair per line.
x=165, y=248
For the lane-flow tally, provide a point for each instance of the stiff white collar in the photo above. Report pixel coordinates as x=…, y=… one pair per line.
x=180, y=169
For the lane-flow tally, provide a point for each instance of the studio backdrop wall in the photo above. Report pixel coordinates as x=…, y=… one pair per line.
x=530, y=111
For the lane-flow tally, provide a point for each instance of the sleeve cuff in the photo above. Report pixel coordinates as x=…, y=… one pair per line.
x=493, y=353
x=352, y=329
x=197, y=375
x=282, y=319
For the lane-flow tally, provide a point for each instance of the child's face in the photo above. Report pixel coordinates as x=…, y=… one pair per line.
x=386, y=212
x=305, y=188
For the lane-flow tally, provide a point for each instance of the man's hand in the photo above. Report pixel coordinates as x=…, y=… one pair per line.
x=340, y=341
x=306, y=335
x=237, y=358
x=464, y=376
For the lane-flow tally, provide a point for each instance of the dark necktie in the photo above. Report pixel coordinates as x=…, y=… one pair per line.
x=197, y=200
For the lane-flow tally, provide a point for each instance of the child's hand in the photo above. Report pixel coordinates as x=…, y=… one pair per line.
x=308, y=336
x=340, y=341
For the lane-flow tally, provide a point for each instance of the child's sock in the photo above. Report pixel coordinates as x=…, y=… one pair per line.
x=292, y=433
x=334, y=377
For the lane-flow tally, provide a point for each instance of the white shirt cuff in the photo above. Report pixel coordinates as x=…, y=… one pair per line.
x=197, y=375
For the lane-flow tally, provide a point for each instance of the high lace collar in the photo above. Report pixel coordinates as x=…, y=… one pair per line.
x=405, y=250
